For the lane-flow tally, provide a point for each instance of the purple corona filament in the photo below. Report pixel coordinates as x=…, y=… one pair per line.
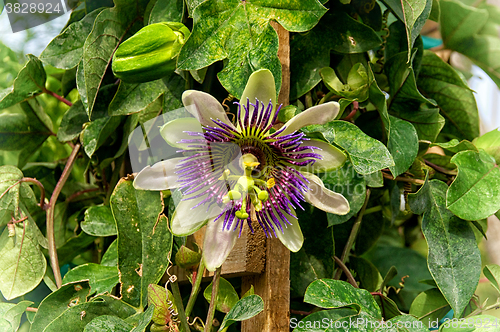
x=206, y=173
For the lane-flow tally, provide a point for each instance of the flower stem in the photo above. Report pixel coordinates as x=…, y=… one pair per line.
x=180, y=308
x=54, y=262
x=60, y=98
x=196, y=288
x=213, y=301
x=353, y=235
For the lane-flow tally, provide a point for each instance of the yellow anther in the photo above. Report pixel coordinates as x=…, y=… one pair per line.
x=252, y=164
x=271, y=183
x=225, y=175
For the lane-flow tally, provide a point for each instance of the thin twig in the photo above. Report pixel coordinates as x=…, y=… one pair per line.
x=213, y=301
x=42, y=190
x=353, y=235
x=60, y=98
x=78, y=193
x=31, y=309
x=403, y=179
x=196, y=288
x=54, y=262
x=441, y=169
x=348, y=273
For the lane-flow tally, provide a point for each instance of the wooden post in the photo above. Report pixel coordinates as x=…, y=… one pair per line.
x=273, y=285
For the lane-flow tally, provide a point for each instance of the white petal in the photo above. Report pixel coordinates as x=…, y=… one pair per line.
x=332, y=157
x=187, y=219
x=291, y=237
x=218, y=243
x=323, y=198
x=174, y=131
x=160, y=176
x=319, y=114
x=260, y=85
x=204, y=107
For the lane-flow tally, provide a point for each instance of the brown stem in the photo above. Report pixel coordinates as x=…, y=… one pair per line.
x=353, y=235
x=31, y=309
x=54, y=262
x=441, y=169
x=42, y=190
x=78, y=193
x=300, y=312
x=213, y=301
x=55, y=95
x=355, y=107
x=403, y=179
x=348, y=273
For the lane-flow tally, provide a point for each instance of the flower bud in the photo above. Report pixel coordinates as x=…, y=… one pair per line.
x=151, y=53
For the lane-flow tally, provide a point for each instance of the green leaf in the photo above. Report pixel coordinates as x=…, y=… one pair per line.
x=110, y=27
x=408, y=12
x=226, y=298
x=489, y=142
x=328, y=293
x=72, y=122
x=144, y=318
x=351, y=185
x=478, y=177
x=58, y=302
x=29, y=82
x=96, y=133
x=492, y=272
x=403, y=262
x=246, y=308
x=157, y=295
x=403, y=145
x=426, y=121
x=402, y=82
x=454, y=259
x=439, y=81
x=366, y=154
x=310, y=52
x=10, y=315
x=17, y=133
x=133, y=98
x=144, y=241
x=167, y=11
x=240, y=32
x=110, y=257
x=101, y=278
x=78, y=316
x=99, y=221
x=65, y=51
x=73, y=247
x=12, y=193
x=374, y=180
x=456, y=146
x=22, y=260
x=429, y=307
x=367, y=273
x=107, y=323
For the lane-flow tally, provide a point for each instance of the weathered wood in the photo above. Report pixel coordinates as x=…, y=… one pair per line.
x=246, y=258
x=274, y=284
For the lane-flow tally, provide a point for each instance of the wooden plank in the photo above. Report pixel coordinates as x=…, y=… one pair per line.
x=274, y=284
x=246, y=258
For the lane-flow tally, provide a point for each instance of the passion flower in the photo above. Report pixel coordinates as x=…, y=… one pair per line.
x=246, y=173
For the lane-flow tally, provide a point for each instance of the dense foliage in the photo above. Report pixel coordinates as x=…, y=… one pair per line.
x=418, y=178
